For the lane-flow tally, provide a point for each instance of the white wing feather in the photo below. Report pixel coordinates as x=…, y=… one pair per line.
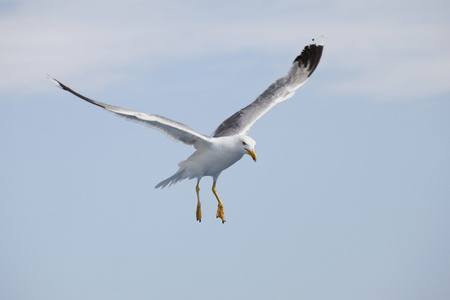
x=240, y=122
x=281, y=90
x=174, y=130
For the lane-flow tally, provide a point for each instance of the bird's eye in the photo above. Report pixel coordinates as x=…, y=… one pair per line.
x=244, y=143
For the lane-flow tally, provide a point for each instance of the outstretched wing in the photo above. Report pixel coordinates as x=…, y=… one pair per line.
x=176, y=131
x=282, y=89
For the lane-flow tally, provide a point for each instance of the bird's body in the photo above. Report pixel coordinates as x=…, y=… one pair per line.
x=230, y=141
x=211, y=159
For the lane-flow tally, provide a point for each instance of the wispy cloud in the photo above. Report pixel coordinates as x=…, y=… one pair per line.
x=389, y=51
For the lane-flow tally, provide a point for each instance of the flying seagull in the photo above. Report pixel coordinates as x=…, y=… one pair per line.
x=230, y=141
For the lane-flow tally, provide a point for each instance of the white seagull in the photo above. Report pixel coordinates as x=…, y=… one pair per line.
x=230, y=141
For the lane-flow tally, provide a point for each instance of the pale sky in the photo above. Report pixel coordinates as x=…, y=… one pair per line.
x=349, y=198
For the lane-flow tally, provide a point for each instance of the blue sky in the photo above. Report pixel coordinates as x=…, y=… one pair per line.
x=349, y=198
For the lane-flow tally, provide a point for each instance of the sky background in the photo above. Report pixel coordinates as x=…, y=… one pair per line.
x=349, y=198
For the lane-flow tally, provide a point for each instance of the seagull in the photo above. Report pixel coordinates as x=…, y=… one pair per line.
x=229, y=142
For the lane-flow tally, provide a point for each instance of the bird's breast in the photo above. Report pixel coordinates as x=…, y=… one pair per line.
x=220, y=161
x=209, y=162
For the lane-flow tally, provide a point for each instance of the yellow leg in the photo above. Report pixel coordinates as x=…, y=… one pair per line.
x=199, y=205
x=220, y=214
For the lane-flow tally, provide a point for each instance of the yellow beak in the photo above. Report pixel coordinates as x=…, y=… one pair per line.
x=252, y=153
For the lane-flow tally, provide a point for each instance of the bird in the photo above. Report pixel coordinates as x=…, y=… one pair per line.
x=229, y=142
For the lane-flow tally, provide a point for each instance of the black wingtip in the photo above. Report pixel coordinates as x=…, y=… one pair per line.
x=66, y=88
x=59, y=84
x=310, y=57
x=56, y=82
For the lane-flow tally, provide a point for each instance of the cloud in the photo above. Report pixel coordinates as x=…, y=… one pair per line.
x=405, y=61
x=398, y=53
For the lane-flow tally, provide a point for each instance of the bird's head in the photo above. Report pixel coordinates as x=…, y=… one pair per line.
x=248, y=145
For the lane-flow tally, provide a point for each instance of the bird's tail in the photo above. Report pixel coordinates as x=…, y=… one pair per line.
x=178, y=176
